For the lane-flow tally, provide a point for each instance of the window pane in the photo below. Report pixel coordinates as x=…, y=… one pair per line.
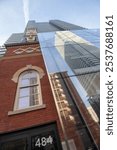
x=28, y=90
x=25, y=82
x=34, y=89
x=24, y=92
x=24, y=102
x=26, y=76
x=28, y=97
x=33, y=81
x=28, y=82
x=30, y=74
x=33, y=74
x=34, y=99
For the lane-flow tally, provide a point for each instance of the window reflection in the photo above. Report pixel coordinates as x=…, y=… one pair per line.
x=29, y=90
x=77, y=53
x=23, y=102
x=90, y=35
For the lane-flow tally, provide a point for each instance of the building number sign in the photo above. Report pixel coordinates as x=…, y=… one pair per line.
x=43, y=141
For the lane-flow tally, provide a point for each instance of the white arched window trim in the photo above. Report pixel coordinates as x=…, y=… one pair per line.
x=28, y=67
x=17, y=77
x=28, y=90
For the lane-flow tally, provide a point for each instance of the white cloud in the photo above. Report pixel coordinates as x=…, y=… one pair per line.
x=26, y=10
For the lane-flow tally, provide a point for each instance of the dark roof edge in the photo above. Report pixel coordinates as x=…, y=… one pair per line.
x=20, y=44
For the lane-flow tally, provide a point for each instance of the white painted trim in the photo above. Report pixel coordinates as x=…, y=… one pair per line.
x=16, y=78
x=32, y=108
x=21, y=50
x=38, y=69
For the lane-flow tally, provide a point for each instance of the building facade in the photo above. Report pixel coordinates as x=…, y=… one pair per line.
x=27, y=104
x=41, y=107
x=83, y=58
x=75, y=118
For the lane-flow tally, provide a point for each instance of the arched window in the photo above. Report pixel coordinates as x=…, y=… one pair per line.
x=29, y=90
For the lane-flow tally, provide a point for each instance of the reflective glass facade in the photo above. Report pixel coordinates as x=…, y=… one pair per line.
x=75, y=118
x=77, y=53
x=91, y=35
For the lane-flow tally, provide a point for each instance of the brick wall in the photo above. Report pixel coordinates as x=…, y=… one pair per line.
x=8, y=66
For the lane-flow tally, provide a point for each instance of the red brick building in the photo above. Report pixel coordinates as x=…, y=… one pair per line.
x=23, y=77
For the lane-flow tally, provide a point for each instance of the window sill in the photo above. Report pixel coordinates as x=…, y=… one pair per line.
x=26, y=110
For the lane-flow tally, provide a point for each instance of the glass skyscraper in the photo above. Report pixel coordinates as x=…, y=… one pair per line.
x=76, y=52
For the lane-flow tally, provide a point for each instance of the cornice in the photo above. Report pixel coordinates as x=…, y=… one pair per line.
x=21, y=44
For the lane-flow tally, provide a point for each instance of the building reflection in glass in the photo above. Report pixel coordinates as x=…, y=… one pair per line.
x=83, y=59
x=65, y=51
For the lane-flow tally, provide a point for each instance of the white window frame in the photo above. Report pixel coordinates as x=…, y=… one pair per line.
x=16, y=105
x=16, y=78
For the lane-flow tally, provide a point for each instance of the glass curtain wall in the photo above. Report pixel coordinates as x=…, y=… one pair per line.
x=68, y=51
x=77, y=53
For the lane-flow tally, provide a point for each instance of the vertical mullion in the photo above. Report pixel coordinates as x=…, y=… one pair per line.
x=34, y=90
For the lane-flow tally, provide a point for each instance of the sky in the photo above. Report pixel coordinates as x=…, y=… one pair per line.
x=14, y=14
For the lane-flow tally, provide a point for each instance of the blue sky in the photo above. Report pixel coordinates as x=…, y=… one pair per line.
x=14, y=14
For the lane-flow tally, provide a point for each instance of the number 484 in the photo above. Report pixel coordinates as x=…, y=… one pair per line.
x=43, y=141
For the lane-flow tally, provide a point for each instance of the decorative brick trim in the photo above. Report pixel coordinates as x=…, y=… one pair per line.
x=20, y=56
